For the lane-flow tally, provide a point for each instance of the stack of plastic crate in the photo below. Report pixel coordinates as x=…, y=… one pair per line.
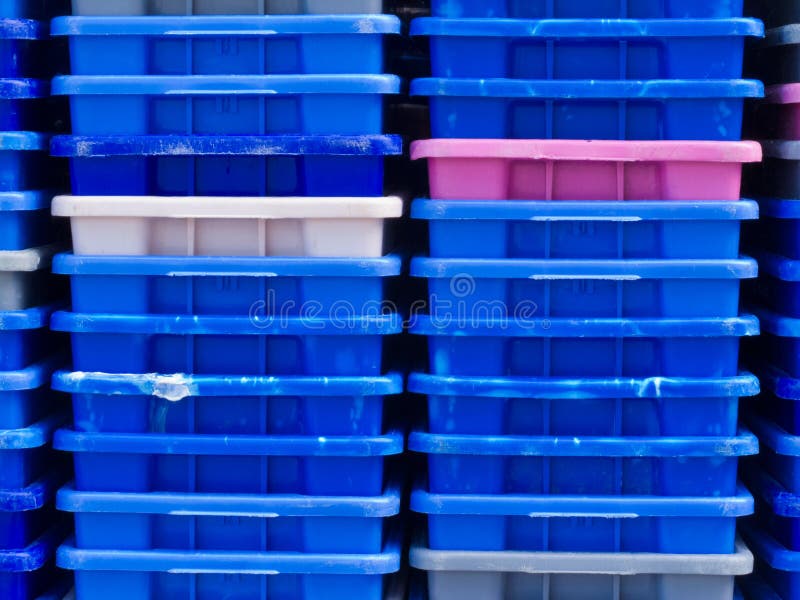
x=227, y=283
x=773, y=478
x=582, y=315
x=29, y=472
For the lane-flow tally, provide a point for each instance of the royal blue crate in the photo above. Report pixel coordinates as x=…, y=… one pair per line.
x=24, y=338
x=777, y=510
x=25, y=219
x=606, y=9
x=25, y=453
x=159, y=574
x=26, y=513
x=226, y=165
x=778, y=566
x=23, y=161
x=585, y=347
x=22, y=47
x=241, y=523
x=211, y=345
x=780, y=396
x=779, y=343
x=586, y=49
x=261, y=287
x=30, y=573
x=560, y=288
x=227, y=104
x=779, y=283
x=151, y=403
x=240, y=45
x=565, y=407
x=780, y=451
x=21, y=105
x=591, y=229
x=229, y=464
x=25, y=395
x=583, y=466
x=33, y=9
x=571, y=523
x=601, y=110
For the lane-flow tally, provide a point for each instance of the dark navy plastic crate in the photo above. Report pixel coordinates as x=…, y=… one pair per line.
x=26, y=513
x=229, y=464
x=583, y=466
x=778, y=229
x=780, y=341
x=242, y=523
x=601, y=110
x=777, y=510
x=21, y=105
x=540, y=523
x=776, y=564
x=22, y=47
x=778, y=176
x=590, y=229
x=780, y=397
x=33, y=9
x=586, y=49
x=780, y=451
x=23, y=161
x=227, y=104
x=779, y=284
x=753, y=587
x=24, y=337
x=560, y=288
x=25, y=220
x=213, y=45
x=606, y=9
x=552, y=406
x=25, y=395
x=226, y=165
x=260, y=287
x=29, y=573
x=159, y=574
x=228, y=404
x=585, y=347
x=210, y=345
x=25, y=453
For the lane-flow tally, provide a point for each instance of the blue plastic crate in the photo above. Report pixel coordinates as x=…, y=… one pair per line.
x=210, y=345
x=585, y=347
x=30, y=573
x=22, y=47
x=240, y=45
x=591, y=229
x=583, y=466
x=780, y=451
x=25, y=453
x=780, y=397
x=23, y=161
x=229, y=464
x=226, y=165
x=33, y=9
x=241, y=523
x=21, y=104
x=778, y=566
x=601, y=110
x=152, y=403
x=777, y=510
x=564, y=407
x=260, y=287
x=159, y=574
x=25, y=219
x=540, y=523
x=753, y=587
x=26, y=513
x=24, y=338
x=606, y=9
x=779, y=284
x=780, y=341
x=586, y=49
x=227, y=104
x=778, y=229
x=25, y=395
x=560, y=288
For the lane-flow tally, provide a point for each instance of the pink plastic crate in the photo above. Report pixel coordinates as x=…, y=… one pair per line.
x=584, y=170
x=779, y=117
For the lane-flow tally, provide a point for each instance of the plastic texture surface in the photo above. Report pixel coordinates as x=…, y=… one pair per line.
x=776, y=564
x=227, y=45
x=26, y=513
x=24, y=453
x=30, y=573
x=25, y=396
x=652, y=407
x=586, y=49
x=235, y=464
x=778, y=229
x=226, y=165
x=152, y=403
x=25, y=220
x=24, y=338
x=136, y=225
x=578, y=9
x=780, y=451
x=22, y=49
x=676, y=109
x=583, y=170
x=23, y=161
x=588, y=229
x=224, y=7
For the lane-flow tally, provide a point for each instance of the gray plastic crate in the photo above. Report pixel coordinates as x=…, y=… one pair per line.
x=25, y=278
x=225, y=7
x=585, y=576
